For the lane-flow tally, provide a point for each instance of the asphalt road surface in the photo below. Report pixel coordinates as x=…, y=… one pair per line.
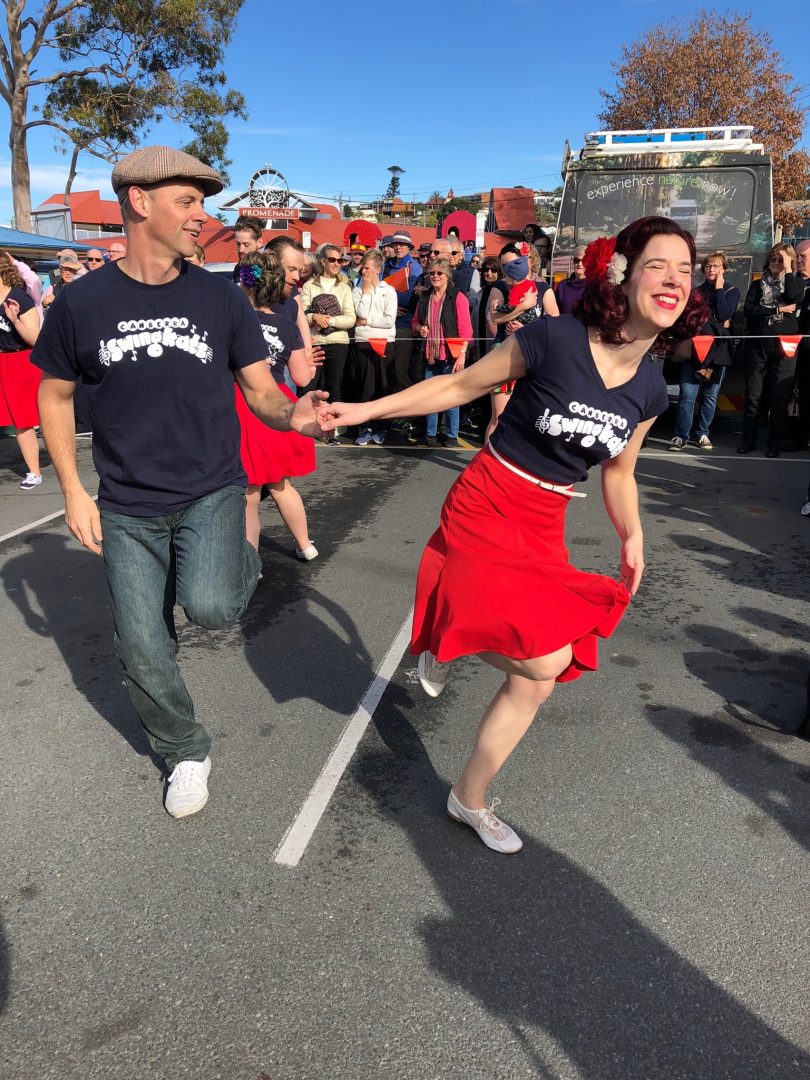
x=655, y=925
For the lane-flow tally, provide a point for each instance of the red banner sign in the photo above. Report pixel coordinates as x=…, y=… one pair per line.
x=790, y=343
x=271, y=213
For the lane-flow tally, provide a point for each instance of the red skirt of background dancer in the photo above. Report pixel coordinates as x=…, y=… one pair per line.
x=267, y=455
x=495, y=576
x=19, y=385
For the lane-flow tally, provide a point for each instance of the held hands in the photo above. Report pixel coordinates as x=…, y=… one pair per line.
x=632, y=563
x=321, y=321
x=341, y=414
x=12, y=309
x=83, y=520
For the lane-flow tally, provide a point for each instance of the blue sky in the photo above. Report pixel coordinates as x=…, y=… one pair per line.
x=470, y=95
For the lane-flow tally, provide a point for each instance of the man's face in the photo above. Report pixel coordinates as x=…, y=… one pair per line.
x=94, y=259
x=174, y=216
x=388, y=251
x=246, y=243
x=292, y=262
x=401, y=250
x=440, y=250
x=117, y=251
x=456, y=254
x=357, y=258
x=68, y=274
x=803, y=258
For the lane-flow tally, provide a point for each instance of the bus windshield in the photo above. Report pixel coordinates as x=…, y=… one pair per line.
x=715, y=205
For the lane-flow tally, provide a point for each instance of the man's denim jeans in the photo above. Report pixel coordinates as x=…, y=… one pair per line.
x=441, y=367
x=198, y=557
x=691, y=386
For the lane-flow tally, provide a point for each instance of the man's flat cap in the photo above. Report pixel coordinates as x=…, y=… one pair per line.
x=152, y=164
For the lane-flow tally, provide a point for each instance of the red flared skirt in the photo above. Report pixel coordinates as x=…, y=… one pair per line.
x=495, y=576
x=267, y=455
x=19, y=386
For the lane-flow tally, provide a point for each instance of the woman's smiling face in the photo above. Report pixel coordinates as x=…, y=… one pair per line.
x=659, y=285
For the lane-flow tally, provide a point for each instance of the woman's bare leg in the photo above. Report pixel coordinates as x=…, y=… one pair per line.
x=291, y=507
x=252, y=523
x=498, y=405
x=29, y=448
x=507, y=719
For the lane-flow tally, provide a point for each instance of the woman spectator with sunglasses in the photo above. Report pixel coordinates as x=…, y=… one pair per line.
x=569, y=291
x=329, y=308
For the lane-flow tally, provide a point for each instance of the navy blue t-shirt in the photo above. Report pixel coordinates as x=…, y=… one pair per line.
x=561, y=420
x=157, y=362
x=281, y=337
x=10, y=340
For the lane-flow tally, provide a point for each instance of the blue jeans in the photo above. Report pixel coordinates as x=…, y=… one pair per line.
x=441, y=367
x=691, y=388
x=199, y=558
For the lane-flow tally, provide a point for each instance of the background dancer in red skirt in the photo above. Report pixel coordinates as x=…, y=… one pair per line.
x=495, y=579
x=272, y=457
x=19, y=379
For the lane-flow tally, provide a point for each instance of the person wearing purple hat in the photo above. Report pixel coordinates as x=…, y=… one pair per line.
x=158, y=343
x=408, y=270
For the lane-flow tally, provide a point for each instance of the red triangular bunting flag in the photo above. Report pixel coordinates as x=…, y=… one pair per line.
x=398, y=280
x=701, y=344
x=790, y=343
x=378, y=344
x=455, y=345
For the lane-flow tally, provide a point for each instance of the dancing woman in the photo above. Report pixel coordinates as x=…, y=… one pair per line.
x=495, y=579
x=272, y=457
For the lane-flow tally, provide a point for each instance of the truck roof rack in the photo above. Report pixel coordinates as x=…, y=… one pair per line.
x=671, y=140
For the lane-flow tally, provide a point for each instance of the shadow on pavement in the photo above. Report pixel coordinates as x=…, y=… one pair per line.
x=61, y=592
x=541, y=944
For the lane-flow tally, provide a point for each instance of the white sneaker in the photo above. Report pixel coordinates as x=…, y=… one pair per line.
x=31, y=481
x=188, y=788
x=677, y=443
x=495, y=833
x=806, y=509
x=704, y=443
x=306, y=554
x=432, y=674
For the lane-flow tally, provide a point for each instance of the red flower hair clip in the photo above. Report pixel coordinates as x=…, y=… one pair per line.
x=597, y=257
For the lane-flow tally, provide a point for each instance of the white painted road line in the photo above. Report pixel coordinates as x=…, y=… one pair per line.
x=295, y=840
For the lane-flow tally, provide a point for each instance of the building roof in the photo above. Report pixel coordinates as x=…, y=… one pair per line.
x=14, y=240
x=88, y=208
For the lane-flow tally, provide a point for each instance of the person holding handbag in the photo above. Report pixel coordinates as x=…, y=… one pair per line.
x=700, y=382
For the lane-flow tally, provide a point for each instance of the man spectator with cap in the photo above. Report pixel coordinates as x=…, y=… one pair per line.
x=117, y=250
x=94, y=259
x=159, y=343
x=355, y=267
x=69, y=267
x=387, y=249
x=408, y=270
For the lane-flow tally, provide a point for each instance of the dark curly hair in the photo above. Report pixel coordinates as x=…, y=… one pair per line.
x=269, y=287
x=605, y=306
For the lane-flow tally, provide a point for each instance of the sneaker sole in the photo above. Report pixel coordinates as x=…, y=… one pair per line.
x=188, y=811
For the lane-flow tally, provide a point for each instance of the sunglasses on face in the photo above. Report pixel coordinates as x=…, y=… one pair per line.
x=436, y=273
x=330, y=259
x=95, y=260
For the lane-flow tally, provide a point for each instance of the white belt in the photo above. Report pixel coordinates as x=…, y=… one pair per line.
x=560, y=489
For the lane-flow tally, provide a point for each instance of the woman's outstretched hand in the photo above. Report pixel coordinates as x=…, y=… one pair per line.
x=632, y=563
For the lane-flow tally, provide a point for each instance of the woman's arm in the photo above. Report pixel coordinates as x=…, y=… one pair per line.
x=465, y=330
x=303, y=326
x=724, y=303
x=27, y=325
x=495, y=297
x=620, y=495
x=33, y=286
x=301, y=368
x=433, y=395
x=550, y=305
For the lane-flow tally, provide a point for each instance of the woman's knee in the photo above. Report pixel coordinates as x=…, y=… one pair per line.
x=531, y=692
